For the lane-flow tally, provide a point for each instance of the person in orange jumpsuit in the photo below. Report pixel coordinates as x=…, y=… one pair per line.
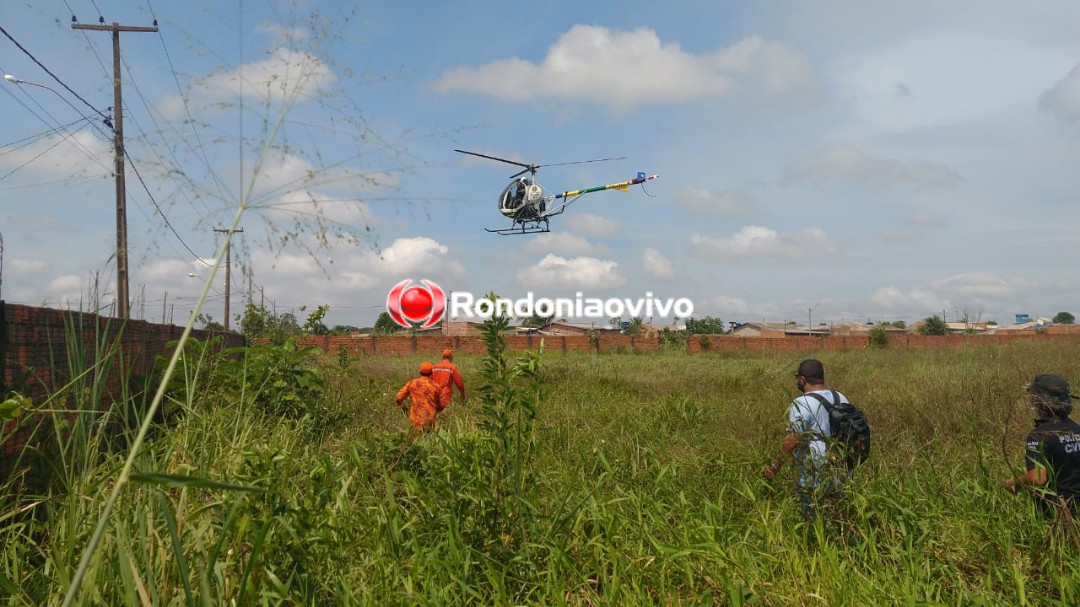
x=425, y=399
x=446, y=376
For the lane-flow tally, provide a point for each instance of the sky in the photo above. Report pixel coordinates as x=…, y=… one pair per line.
x=830, y=161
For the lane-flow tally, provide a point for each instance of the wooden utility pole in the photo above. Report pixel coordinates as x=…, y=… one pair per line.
x=122, y=298
x=228, y=267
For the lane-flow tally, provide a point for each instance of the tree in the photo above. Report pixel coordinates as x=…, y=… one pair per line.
x=933, y=325
x=879, y=337
x=314, y=324
x=537, y=321
x=385, y=325
x=1064, y=318
x=258, y=322
x=208, y=323
x=705, y=326
x=636, y=327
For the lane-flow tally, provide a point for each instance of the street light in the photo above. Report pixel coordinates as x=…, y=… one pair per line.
x=17, y=80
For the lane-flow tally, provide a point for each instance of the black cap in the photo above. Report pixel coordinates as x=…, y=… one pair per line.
x=1051, y=386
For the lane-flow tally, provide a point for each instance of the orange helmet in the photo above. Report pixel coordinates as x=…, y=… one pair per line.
x=426, y=368
x=447, y=353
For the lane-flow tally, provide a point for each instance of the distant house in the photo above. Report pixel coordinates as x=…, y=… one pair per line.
x=1040, y=322
x=798, y=330
x=961, y=327
x=654, y=331
x=462, y=328
x=855, y=329
x=760, y=329
x=576, y=328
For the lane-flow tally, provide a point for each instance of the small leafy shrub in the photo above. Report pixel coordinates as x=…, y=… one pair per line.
x=199, y=365
x=594, y=339
x=283, y=378
x=879, y=338
x=672, y=340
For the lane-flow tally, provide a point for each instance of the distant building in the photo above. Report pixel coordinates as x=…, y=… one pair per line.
x=850, y=329
x=1040, y=322
x=962, y=327
x=576, y=328
x=462, y=328
x=773, y=330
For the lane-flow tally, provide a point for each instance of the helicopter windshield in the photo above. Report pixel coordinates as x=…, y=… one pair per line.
x=513, y=197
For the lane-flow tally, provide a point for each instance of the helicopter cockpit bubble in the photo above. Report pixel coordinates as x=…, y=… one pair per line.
x=513, y=197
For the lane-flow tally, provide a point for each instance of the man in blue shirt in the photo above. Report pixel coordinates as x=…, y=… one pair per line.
x=808, y=428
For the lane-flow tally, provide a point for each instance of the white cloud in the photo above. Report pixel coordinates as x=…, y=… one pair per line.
x=564, y=243
x=758, y=241
x=1063, y=99
x=845, y=163
x=732, y=204
x=351, y=271
x=284, y=35
x=967, y=289
x=590, y=62
x=81, y=154
x=576, y=273
x=596, y=226
x=656, y=264
x=65, y=291
x=893, y=298
x=974, y=284
x=311, y=205
x=729, y=305
x=170, y=270
x=26, y=267
x=286, y=75
x=926, y=219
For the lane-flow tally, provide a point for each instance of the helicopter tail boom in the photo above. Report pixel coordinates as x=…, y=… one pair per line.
x=622, y=186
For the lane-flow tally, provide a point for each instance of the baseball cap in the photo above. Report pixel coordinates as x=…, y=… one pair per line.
x=447, y=352
x=426, y=368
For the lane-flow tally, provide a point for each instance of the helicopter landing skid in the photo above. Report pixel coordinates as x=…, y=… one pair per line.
x=520, y=230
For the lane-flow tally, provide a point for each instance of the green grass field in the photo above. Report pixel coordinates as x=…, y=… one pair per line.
x=572, y=479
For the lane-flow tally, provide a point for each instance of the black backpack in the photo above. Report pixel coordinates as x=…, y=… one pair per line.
x=849, y=428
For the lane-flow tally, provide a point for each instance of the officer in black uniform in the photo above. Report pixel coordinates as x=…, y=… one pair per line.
x=1053, y=447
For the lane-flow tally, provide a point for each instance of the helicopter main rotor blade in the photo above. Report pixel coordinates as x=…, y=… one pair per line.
x=559, y=164
x=532, y=168
x=528, y=167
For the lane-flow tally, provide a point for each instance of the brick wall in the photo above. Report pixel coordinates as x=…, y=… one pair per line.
x=432, y=345
x=35, y=352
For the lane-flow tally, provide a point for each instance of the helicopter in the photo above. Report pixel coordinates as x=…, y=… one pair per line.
x=530, y=206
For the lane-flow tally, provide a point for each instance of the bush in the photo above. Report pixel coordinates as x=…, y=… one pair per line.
x=281, y=379
x=879, y=338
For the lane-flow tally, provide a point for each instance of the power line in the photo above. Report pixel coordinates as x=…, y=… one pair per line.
x=187, y=110
x=42, y=153
x=30, y=139
x=49, y=72
x=191, y=184
x=73, y=141
x=138, y=176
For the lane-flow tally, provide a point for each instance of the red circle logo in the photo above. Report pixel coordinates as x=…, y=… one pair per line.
x=410, y=304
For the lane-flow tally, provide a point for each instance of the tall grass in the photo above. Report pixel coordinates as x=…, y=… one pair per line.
x=568, y=479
